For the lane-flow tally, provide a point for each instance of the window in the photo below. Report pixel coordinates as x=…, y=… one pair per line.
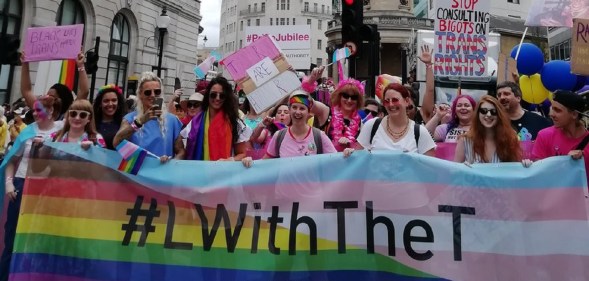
x=283, y=4
x=315, y=5
x=271, y=20
x=323, y=9
x=561, y=51
x=241, y=26
x=240, y=44
x=319, y=61
x=277, y=5
x=306, y=7
x=10, y=18
x=257, y=22
x=281, y=21
x=319, y=44
x=70, y=12
x=255, y=7
x=263, y=7
x=328, y=10
x=288, y=5
x=287, y=21
x=308, y=21
x=319, y=24
x=116, y=70
x=293, y=21
x=513, y=1
x=249, y=22
x=249, y=8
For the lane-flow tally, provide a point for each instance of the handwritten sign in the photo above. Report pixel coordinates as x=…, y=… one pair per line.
x=239, y=62
x=262, y=72
x=580, y=47
x=505, y=67
x=54, y=42
x=461, y=38
x=273, y=91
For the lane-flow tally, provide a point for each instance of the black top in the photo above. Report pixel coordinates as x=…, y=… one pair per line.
x=529, y=125
x=108, y=130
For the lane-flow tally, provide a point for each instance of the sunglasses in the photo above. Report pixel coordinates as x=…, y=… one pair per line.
x=82, y=113
x=391, y=101
x=215, y=95
x=349, y=97
x=148, y=93
x=193, y=104
x=368, y=111
x=484, y=111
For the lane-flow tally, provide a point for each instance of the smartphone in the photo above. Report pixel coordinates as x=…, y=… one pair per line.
x=177, y=85
x=159, y=102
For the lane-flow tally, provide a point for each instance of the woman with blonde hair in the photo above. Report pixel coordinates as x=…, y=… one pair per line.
x=79, y=126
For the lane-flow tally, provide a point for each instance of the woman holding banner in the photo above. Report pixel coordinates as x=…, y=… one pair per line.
x=490, y=138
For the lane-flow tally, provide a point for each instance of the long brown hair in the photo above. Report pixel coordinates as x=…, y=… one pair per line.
x=90, y=128
x=506, y=141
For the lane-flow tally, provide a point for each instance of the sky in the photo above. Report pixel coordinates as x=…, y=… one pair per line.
x=211, y=14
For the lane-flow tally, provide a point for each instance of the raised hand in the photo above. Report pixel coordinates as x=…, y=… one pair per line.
x=426, y=54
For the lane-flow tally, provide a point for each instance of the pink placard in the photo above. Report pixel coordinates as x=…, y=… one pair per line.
x=238, y=62
x=53, y=42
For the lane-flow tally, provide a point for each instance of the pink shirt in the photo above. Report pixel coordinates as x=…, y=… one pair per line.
x=290, y=147
x=553, y=142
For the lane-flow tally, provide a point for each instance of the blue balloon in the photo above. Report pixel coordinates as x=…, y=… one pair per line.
x=581, y=81
x=530, y=60
x=556, y=75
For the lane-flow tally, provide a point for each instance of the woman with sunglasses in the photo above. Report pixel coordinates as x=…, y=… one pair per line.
x=191, y=107
x=79, y=126
x=45, y=111
x=490, y=138
x=110, y=108
x=217, y=132
x=151, y=126
x=395, y=131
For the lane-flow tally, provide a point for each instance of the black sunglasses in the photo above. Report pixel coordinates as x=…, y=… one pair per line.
x=148, y=93
x=83, y=114
x=368, y=111
x=484, y=111
x=193, y=104
x=348, y=96
x=215, y=95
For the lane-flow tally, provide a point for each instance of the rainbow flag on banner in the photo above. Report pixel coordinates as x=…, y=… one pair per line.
x=319, y=218
x=133, y=157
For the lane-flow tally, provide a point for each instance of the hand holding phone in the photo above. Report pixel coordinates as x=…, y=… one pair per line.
x=159, y=103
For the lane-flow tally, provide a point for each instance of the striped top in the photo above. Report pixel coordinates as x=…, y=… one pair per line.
x=473, y=158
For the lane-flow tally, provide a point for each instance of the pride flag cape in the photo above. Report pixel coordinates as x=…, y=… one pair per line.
x=409, y=217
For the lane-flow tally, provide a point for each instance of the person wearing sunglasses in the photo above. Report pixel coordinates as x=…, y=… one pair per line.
x=191, y=107
x=217, y=133
x=395, y=131
x=151, y=126
x=45, y=111
x=490, y=138
x=109, y=108
x=79, y=126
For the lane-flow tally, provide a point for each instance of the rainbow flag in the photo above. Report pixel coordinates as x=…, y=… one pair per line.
x=133, y=157
x=307, y=218
x=68, y=73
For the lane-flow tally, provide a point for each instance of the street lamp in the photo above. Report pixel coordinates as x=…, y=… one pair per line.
x=162, y=23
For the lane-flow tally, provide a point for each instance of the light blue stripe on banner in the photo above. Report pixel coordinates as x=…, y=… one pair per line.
x=556, y=172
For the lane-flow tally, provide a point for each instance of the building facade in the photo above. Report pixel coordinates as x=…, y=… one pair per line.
x=128, y=37
x=236, y=16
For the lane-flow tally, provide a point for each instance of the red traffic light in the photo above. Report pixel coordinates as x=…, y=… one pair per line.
x=349, y=2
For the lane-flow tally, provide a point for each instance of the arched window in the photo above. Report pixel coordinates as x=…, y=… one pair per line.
x=120, y=37
x=10, y=21
x=70, y=12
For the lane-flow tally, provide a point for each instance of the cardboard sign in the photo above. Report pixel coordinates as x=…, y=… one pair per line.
x=262, y=72
x=505, y=67
x=239, y=62
x=461, y=38
x=273, y=91
x=53, y=42
x=580, y=47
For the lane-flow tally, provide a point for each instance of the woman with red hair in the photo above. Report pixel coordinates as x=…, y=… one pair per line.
x=491, y=139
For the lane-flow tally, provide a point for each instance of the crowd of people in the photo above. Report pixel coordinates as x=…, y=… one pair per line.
x=211, y=125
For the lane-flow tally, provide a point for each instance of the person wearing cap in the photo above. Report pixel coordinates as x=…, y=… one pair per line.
x=18, y=125
x=299, y=139
x=191, y=107
x=568, y=136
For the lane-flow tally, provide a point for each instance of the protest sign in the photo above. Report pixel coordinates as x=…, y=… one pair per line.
x=506, y=66
x=580, y=47
x=323, y=217
x=461, y=38
x=556, y=13
x=53, y=42
x=293, y=40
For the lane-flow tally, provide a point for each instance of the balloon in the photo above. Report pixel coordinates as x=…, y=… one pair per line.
x=581, y=81
x=532, y=89
x=530, y=60
x=556, y=75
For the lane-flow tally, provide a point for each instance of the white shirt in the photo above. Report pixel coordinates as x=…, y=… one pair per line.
x=382, y=141
x=21, y=172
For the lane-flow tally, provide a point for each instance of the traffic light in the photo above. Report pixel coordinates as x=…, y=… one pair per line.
x=91, y=64
x=352, y=22
x=9, y=54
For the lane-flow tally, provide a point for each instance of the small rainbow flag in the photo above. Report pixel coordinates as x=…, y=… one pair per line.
x=68, y=73
x=133, y=157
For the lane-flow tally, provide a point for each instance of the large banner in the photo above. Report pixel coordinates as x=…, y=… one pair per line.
x=293, y=40
x=552, y=13
x=373, y=216
x=461, y=38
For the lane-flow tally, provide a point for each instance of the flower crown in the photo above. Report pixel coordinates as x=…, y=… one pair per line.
x=353, y=82
x=109, y=88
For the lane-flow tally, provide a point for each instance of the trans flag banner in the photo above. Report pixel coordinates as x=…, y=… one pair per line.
x=373, y=216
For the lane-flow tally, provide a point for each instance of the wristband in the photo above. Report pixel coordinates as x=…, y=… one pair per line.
x=80, y=69
x=137, y=123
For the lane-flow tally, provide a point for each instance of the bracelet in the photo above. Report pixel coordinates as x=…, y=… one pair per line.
x=134, y=126
x=80, y=69
x=137, y=123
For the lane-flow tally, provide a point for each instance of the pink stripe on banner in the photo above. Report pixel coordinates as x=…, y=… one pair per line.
x=403, y=198
x=44, y=277
x=446, y=150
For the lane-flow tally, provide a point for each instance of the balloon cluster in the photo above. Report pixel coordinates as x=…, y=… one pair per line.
x=539, y=78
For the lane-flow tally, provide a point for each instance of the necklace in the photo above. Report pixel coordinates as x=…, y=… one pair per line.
x=396, y=135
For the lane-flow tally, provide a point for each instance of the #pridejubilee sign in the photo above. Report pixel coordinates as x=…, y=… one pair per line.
x=461, y=38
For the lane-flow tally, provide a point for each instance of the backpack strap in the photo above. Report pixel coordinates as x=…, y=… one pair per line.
x=374, y=128
x=416, y=132
x=318, y=140
x=583, y=143
x=279, y=139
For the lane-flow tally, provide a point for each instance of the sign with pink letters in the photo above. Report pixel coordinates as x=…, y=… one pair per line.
x=53, y=42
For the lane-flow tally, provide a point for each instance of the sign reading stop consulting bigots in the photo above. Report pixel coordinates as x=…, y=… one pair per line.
x=293, y=40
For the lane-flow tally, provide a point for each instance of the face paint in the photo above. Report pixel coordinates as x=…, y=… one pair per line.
x=40, y=110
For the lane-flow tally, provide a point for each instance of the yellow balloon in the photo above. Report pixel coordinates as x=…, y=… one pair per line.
x=533, y=90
